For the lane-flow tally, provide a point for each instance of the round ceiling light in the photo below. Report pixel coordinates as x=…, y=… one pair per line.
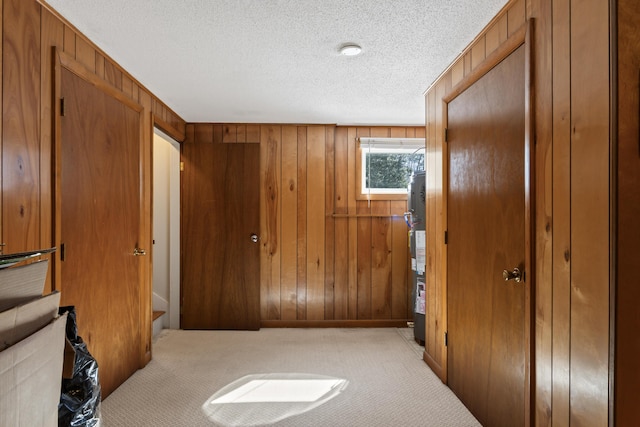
x=350, y=50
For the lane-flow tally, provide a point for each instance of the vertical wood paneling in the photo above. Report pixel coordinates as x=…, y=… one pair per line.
x=341, y=244
x=561, y=192
x=69, y=41
x=85, y=54
x=315, y=222
x=542, y=119
x=589, y=213
x=468, y=64
x=127, y=86
x=203, y=133
x=270, y=157
x=571, y=101
x=229, y=133
x=457, y=72
x=381, y=263
x=353, y=225
x=329, y=210
x=52, y=34
x=441, y=157
x=313, y=266
x=516, y=16
x=112, y=74
x=496, y=35
x=253, y=133
x=100, y=69
x=21, y=100
x=363, y=245
x=145, y=237
x=431, y=164
x=399, y=254
x=289, y=271
x=302, y=223
x=241, y=134
x=363, y=260
x=627, y=349
x=217, y=134
x=478, y=53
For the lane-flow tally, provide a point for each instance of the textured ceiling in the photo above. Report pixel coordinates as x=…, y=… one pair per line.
x=277, y=61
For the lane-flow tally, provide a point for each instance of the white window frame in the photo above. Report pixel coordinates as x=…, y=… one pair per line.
x=383, y=145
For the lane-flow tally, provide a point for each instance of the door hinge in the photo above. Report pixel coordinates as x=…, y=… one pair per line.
x=446, y=339
x=181, y=166
x=62, y=107
x=446, y=237
x=446, y=134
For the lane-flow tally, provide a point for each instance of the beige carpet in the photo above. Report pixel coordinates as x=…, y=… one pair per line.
x=388, y=383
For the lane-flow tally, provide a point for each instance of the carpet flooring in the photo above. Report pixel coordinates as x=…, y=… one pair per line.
x=388, y=384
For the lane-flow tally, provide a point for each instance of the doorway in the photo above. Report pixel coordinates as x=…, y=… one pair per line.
x=166, y=229
x=100, y=230
x=488, y=286
x=220, y=256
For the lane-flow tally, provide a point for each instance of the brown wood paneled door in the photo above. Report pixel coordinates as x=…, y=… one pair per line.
x=220, y=216
x=100, y=223
x=486, y=235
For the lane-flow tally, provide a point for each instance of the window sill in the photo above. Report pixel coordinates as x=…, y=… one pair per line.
x=381, y=196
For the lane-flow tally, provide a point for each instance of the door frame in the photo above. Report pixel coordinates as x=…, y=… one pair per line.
x=62, y=60
x=523, y=36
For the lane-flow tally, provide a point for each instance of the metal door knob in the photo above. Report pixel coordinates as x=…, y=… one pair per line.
x=515, y=275
x=254, y=238
x=139, y=252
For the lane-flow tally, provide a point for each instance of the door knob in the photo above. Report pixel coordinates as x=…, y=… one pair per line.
x=515, y=275
x=254, y=238
x=139, y=252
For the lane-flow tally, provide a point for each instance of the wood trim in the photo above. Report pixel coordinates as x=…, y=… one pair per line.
x=83, y=72
x=365, y=216
x=56, y=156
x=168, y=128
x=529, y=222
x=395, y=323
x=439, y=370
x=512, y=43
x=614, y=126
x=444, y=280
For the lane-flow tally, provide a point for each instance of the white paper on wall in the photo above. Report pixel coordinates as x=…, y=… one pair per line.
x=421, y=245
x=421, y=305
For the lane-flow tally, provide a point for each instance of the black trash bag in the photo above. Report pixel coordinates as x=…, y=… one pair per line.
x=80, y=396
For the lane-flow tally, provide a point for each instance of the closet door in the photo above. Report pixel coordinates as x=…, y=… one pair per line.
x=487, y=337
x=100, y=224
x=220, y=252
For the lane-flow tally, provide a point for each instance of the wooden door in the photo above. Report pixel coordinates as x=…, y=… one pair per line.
x=220, y=263
x=100, y=223
x=486, y=235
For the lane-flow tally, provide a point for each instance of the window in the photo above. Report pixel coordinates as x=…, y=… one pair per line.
x=385, y=166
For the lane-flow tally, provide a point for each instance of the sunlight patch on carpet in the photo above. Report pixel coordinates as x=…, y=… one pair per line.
x=261, y=399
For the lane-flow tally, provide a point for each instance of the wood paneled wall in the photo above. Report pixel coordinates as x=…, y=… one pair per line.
x=327, y=258
x=627, y=346
x=30, y=31
x=571, y=314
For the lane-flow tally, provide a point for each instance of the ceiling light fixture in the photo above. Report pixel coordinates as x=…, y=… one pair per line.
x=350, y=50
